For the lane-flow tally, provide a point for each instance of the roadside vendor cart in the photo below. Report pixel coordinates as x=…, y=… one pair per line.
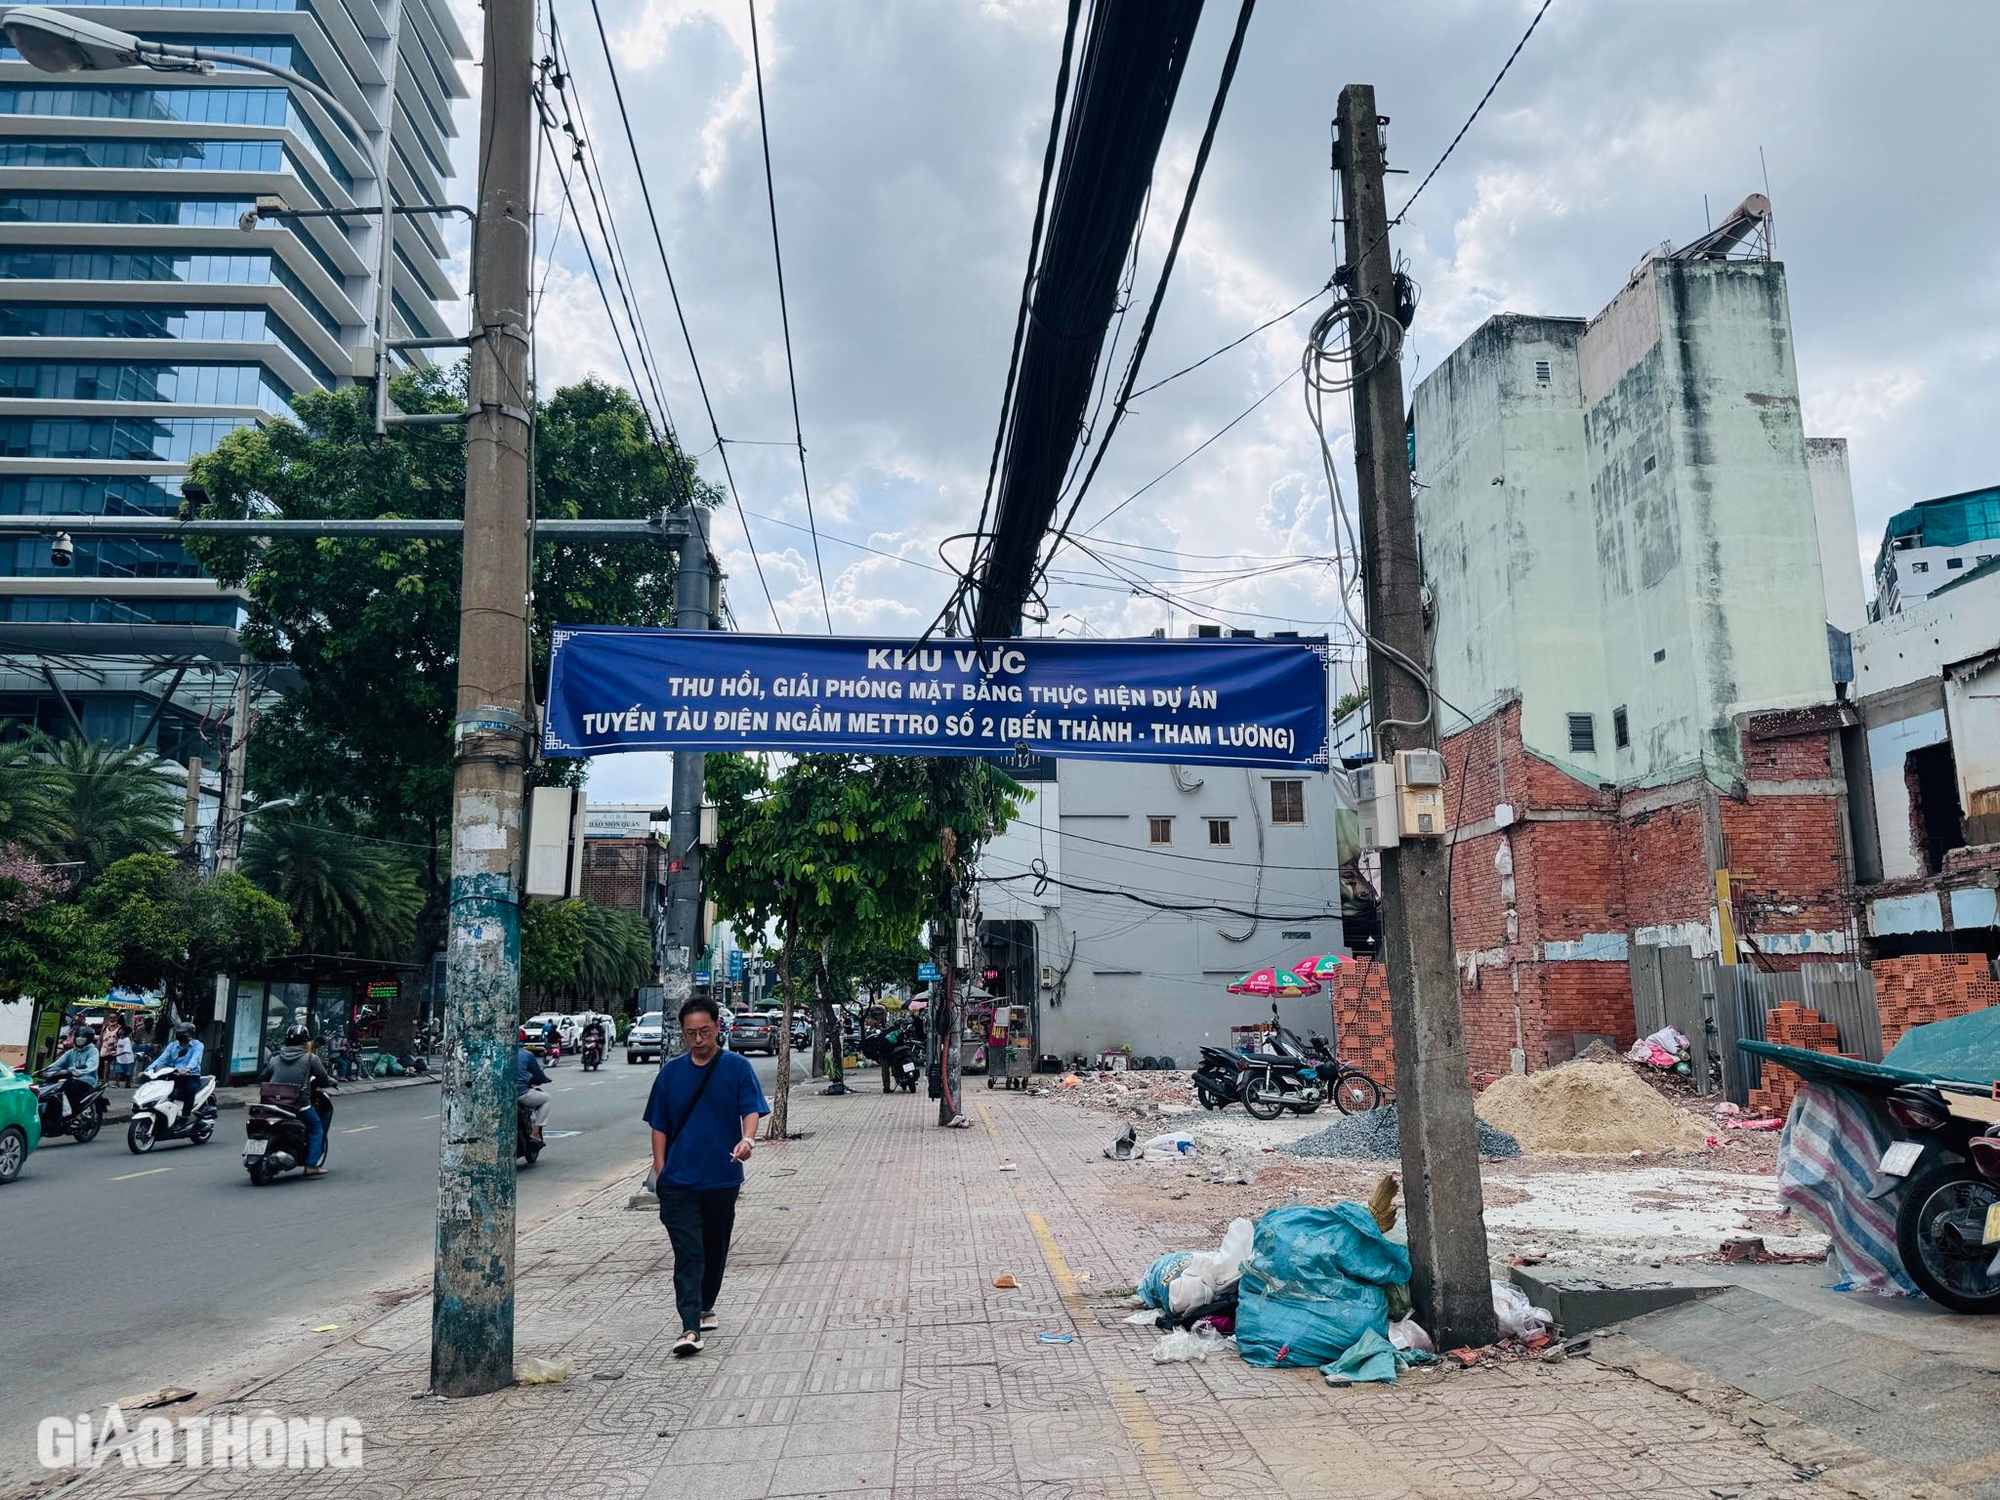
x=1010, y=1050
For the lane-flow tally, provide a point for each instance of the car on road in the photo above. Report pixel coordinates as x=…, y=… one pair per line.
x=20, y=1123
x=569, y=1028
x=754, y=1032
x=646, y=1039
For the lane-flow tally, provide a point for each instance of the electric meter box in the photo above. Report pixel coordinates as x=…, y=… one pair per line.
x=1375, y=801
x=1420, y=793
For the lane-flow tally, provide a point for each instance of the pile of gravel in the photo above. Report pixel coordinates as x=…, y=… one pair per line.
x=1374, y=1137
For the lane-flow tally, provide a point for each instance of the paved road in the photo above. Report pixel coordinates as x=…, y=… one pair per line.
x=121, y=1274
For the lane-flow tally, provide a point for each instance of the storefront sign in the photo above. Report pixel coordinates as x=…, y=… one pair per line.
x=384, y=991
x=1199, y=702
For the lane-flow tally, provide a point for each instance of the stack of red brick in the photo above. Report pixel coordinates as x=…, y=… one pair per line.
x=1361, y=1019
x=1790, y=1025
x=1926, y=987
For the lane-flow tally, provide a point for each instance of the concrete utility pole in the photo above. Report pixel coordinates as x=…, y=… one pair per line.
x=1441, y=1192
x=235, y=761
x=693, y=610
x=472, y=1296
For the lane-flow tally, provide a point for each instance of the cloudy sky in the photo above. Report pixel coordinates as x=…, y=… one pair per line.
x=906, y=137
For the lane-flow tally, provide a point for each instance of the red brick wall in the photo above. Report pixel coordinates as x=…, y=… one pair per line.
x=1360, y=999
x=1926, y=987
x=1804, y=757
x=1665, y=867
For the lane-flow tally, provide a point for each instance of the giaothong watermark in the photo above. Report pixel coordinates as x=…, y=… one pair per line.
x=238, y=1441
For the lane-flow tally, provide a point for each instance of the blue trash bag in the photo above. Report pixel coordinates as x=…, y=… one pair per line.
x=1153, y=1287
x=1316, y=1280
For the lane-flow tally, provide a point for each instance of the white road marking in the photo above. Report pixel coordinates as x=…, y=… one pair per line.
x=357, y=1129
x=149, y=1172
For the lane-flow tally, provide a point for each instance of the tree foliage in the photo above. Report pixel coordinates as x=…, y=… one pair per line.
x=165, y=925
x=345, y=893
x=28, y=791
x=843, y=855
x=582, y=953
x=49, y=947
x=97, y=803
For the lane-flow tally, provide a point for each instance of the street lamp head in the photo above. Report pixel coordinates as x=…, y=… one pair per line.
x=56, y=42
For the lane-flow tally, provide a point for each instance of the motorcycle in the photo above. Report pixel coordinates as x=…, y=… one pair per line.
x=593, y=1054
x=158, y=1116
x=1948, y=1221
x=82, y=1119
x=1294, y=1075
x=276, y=1134
x=526, y=1147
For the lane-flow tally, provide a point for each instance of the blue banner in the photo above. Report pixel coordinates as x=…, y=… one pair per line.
x=1197, y=702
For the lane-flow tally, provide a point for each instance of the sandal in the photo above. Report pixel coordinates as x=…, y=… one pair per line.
x=687, y=1344
x=708, y=1322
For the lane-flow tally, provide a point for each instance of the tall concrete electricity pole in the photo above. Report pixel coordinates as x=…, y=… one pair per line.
x=472, y=1296
x=1441, y=1192
x=693, y=610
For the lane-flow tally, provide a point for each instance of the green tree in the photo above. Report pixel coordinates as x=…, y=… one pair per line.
x=551, y=950
x=345, y=892
x=50, y=949
x=583, y=953
x=27, y=792
x=165, y=925
x=371, y=625
x=103, y=803
x=843, y=854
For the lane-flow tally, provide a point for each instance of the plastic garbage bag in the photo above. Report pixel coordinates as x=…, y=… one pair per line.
x=1316, y=1280
x=1408, y=1333
x=1209, y=1274
x=1123, y=1146
x=532, y=1370
x=1160, y=1275
x=1519, y=1318
x=1369, y=1358
x=1185, y=1344
x=1166, y=1145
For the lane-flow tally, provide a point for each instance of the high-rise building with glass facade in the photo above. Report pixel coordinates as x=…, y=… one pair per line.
x=139, y=322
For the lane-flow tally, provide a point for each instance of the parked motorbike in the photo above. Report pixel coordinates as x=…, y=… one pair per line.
x=276, y=1134
x=82, y=1119
x=158, y=1116
x=1293, y=1075
x=1948, y=1222
x=526, y=1147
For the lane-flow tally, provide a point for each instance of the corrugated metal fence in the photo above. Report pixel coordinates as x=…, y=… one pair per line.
x=1717, y=1005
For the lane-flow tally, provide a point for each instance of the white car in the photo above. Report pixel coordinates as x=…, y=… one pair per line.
x=646, y=1038
x=569, y=1028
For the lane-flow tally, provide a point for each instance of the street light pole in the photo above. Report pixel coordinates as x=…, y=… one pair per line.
x=472, y=1298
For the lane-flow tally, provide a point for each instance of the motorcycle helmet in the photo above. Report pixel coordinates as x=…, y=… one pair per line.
x=184, y=1031
x=297, y=1036
x=81, y=1035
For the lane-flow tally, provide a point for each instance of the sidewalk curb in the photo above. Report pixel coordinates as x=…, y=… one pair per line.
x=351, y=1089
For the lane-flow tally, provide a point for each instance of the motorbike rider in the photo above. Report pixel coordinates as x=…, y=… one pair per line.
x=529, y=1075
x=79, y=1064
x=295, y=1064
x=593, y=1031
x=183, y=1058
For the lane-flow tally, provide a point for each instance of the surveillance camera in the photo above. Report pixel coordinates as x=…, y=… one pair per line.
x=62, y=551
x=248, y=219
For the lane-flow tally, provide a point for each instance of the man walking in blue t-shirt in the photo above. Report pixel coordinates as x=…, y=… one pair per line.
x=703, y=1110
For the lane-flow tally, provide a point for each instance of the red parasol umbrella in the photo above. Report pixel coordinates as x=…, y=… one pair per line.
x=1280, y=984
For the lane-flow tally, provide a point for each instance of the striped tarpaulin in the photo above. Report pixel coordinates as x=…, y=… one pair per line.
x=1829, y=1171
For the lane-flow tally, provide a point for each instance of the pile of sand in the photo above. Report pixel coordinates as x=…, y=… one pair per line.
x=1588, y=1108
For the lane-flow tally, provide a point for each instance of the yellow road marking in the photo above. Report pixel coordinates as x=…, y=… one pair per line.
x=357, y=1129
x=991, y=1129
x=1161, y=1471
x=150, y=1171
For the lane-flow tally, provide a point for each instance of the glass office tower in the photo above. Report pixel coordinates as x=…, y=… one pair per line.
x=139, y=322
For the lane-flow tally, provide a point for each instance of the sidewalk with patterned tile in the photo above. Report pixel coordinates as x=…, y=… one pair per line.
x=865, y=1352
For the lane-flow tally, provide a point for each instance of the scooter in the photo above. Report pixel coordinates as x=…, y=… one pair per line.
x=1948, y=1221
x=526, y=1147
x=276, y=1134
x=593, y=1054
x=82, y=1119
x=158, y=1116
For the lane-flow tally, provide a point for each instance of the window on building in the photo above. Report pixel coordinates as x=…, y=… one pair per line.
x=1288, y=802
x=1661, y=654
x=1218, y=832
x=1652, y=463
x=1542, y=372
x=1920, y=567
x=1621, y=728
x=1954, y=562
x=1159, y=830
x=1583, y=733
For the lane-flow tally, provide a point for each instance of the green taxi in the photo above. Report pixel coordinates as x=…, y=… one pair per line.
x=20, y=1123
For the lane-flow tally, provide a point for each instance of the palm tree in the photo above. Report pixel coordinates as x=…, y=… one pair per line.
x=617, y=954
x=104, y=803
x=346, y=893
x=27, y=791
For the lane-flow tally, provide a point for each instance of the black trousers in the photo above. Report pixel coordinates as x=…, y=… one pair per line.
x=698, y=1225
